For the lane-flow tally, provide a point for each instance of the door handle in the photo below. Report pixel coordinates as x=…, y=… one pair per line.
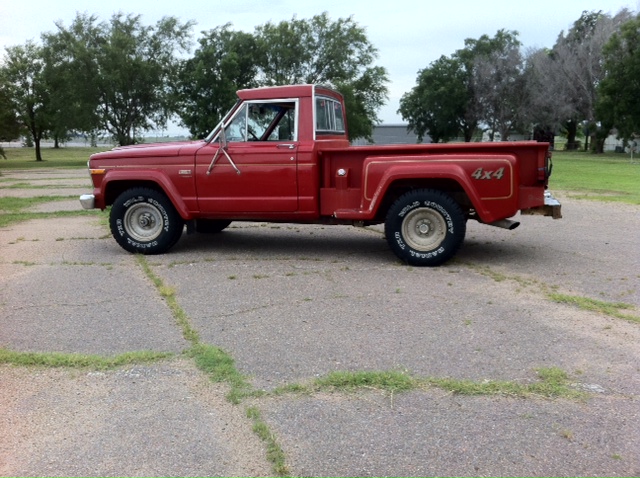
x=286, y=146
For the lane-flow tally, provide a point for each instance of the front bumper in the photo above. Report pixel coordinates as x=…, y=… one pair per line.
x=552, y=208
x=88, y=201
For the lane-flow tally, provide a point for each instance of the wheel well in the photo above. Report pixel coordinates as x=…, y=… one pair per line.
x=448, y=186
x=115, y=188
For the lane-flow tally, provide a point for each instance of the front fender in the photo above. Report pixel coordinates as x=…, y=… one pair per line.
x=115, y=178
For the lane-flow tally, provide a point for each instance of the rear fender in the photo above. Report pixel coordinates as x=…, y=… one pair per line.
x=488, y=181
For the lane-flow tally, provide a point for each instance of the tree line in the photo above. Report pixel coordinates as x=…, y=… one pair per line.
x=120, y=78
x=586, y=85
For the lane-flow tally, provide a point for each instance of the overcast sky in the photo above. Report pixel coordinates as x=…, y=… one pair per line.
x=408, y=34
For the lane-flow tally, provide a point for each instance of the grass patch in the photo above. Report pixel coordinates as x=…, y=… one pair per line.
x=213, y=361
x=612, y=309
x=67, y=157
x=602, y=177
x=220, y=367
x=58, y=360
x=12, y=209
x=488, y=272
x=39, y=186
x=392, y=381
x=13, y=205
x=554, y=383
x=169, y=294
x=8, y=219
x=275, y=455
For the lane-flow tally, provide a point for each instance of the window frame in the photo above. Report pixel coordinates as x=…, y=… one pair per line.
x=331, y=113
x=245, y=107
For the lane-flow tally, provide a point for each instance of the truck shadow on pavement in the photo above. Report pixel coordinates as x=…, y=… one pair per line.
x=305, y=242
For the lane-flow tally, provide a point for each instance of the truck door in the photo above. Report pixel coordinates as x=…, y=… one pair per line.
x=257, y=170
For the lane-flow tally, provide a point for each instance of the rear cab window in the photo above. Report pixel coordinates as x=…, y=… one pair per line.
x=329, y=116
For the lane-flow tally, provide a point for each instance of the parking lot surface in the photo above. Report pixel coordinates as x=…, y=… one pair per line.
x=293, y=303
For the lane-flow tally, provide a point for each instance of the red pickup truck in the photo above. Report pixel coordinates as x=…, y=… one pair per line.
x=282, y=155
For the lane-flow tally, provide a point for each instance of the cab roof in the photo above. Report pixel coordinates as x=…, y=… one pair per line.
x=287, y=91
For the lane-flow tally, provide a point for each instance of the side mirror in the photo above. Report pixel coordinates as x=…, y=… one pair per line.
x=222, y=137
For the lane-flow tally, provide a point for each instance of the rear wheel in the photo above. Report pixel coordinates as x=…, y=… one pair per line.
x=144, y=221
x=425, y=227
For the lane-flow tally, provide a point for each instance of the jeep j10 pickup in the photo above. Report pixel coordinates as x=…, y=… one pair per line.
x=281, y=154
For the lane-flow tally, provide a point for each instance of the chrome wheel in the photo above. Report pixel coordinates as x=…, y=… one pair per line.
x=143, y=222
x=424, y=229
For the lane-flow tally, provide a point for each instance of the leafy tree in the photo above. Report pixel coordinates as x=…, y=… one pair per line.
x=224, y=63
x=9, y=123
x=335, y=53
x=493, y=67
x=497, y=79
x=460, y=92
x=620, y=89
x=437, y=104
x=72, y=70
x=24, y=86
x=575, y=68
x=545, y=107
x=126, y=71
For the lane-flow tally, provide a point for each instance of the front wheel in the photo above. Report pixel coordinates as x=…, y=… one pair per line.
x=144, y=221
x=425, y=227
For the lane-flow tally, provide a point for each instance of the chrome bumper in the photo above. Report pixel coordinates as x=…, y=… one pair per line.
x=88, y=201
x=552, y=208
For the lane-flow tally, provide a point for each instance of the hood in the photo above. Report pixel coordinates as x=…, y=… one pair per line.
x=156, y=150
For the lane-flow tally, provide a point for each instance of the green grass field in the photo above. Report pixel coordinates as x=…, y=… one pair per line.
x=25, y=158
x=604, y=177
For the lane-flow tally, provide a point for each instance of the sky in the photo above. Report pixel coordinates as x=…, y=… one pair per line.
x=409, y=34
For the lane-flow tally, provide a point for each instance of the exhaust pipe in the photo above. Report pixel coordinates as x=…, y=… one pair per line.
x=505, y=224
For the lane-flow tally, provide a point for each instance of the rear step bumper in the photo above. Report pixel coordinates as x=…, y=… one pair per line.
x=552, y=208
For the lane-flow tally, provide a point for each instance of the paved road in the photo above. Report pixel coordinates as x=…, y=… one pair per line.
x=290, y=303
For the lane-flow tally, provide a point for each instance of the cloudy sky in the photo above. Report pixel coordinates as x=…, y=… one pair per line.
x=409, y=34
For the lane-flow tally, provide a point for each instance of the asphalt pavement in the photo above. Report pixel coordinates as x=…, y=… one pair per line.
x=291, y=303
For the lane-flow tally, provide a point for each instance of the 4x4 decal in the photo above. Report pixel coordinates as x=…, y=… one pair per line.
x=481, y=174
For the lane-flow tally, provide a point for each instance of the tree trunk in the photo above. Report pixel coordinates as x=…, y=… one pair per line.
x=572, y=132
x=38, y=152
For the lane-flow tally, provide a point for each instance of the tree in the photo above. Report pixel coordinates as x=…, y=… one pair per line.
x=224, y=63
x=335, y=53
x=490, y=65
x=498, y=80
x=9, y=123
x=437, y=104
x=544, y=106
x=25, y=87
x=72, y=70
x=576, y=69
x=127, y=70
x=620, y=89
x=461, y=90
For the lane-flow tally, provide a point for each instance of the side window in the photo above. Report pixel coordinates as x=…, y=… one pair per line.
x=329, y=118
x=264, y=121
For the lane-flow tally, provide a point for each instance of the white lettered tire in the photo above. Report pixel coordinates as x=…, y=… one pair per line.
x=144, y=221
x=425, y=227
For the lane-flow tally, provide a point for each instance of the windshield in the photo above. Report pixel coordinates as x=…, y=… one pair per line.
x=215, y=131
